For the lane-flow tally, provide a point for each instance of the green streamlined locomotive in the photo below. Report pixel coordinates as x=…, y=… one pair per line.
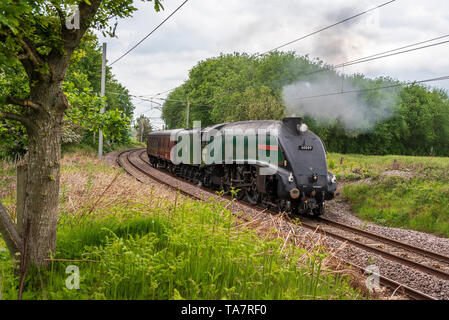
x=268, y=162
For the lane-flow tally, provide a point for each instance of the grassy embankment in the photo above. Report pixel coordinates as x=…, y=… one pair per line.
x=142, y=242
x=411, y=193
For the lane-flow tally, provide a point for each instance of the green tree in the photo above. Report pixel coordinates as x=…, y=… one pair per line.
x=87, y=57
x=143, y=127
x=34, y=34
x=84, y=72
x=411, y=119
x=174, y=111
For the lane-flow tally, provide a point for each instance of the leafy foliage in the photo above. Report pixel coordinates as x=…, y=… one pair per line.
x=236, y=87
x=142, y=126
x=81, y=87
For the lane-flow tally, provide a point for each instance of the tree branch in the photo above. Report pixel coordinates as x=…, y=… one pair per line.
x=24, y=103
x=27, y=65
x=9, y=231
x=16, y=117
x=60, y=14
x=32, y=52
x=87, y=13
x=58, y=59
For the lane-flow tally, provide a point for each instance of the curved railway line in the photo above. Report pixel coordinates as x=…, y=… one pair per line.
x=135, y=162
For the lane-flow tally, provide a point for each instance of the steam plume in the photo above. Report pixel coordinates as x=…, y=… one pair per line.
x=358, y=111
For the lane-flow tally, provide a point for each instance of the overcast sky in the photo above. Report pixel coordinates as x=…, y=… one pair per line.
x=206, y=28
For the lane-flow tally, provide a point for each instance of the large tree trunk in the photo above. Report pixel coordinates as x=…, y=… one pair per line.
x=38, y=175
x=38, y=184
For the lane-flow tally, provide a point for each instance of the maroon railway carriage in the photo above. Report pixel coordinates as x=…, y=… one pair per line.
x=159, y=144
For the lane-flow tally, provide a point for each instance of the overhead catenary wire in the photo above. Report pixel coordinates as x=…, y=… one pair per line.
x=350, y=63
x=363, y=90
x=371, y=89
x=371, y=57
x=360, y=60
x=141, y=97
x=400, y=48
x=327, y=27
x=314, y=32
x=321, y=95
x=152, y=31
x=347, y=92
x=158, y=94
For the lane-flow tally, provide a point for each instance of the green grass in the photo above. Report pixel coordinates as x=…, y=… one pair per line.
x=418, y=202
x=190, y=251
x=138, y=242
x=355, y=166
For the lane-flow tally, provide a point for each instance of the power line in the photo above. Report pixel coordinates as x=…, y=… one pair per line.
x=372, y=89
x=393, y=54
x=328, y=27
x=185, y=101
x=290, y=42
x=160, y=24
x=380, y=56
x=375, y=56
x=158, y=94
x=400, y=48
x=146, y=97
x=349, y=63
x=313, y=33
x=351, y=91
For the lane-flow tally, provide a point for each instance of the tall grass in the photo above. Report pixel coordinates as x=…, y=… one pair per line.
x=141, y=242
x=190, y=251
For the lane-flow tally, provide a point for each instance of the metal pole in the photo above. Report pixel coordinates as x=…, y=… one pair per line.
x=141, y=130
x=188, y=111
x=103, y=83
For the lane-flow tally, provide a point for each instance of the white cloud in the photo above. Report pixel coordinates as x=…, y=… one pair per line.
x=203, y=29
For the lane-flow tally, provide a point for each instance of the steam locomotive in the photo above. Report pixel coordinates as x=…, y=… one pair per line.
x=270, y=163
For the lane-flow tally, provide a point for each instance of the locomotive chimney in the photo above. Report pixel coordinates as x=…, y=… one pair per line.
x=293, y=123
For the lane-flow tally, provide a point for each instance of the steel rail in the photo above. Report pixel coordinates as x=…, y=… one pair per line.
x=393, y=242
x=383, y=253
x=392, y=284
x=388, y=255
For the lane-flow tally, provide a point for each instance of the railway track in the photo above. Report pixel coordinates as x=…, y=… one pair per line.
x=133, y=161
x=420, y=259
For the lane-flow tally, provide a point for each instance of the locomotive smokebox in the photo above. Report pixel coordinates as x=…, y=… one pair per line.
x=293, y=123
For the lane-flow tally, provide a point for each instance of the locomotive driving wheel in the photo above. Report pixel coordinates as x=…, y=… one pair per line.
x=319, y=210
x=252, y=194
x=207, y=180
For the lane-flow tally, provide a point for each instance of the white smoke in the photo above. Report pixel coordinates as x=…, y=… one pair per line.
x=322, y=99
